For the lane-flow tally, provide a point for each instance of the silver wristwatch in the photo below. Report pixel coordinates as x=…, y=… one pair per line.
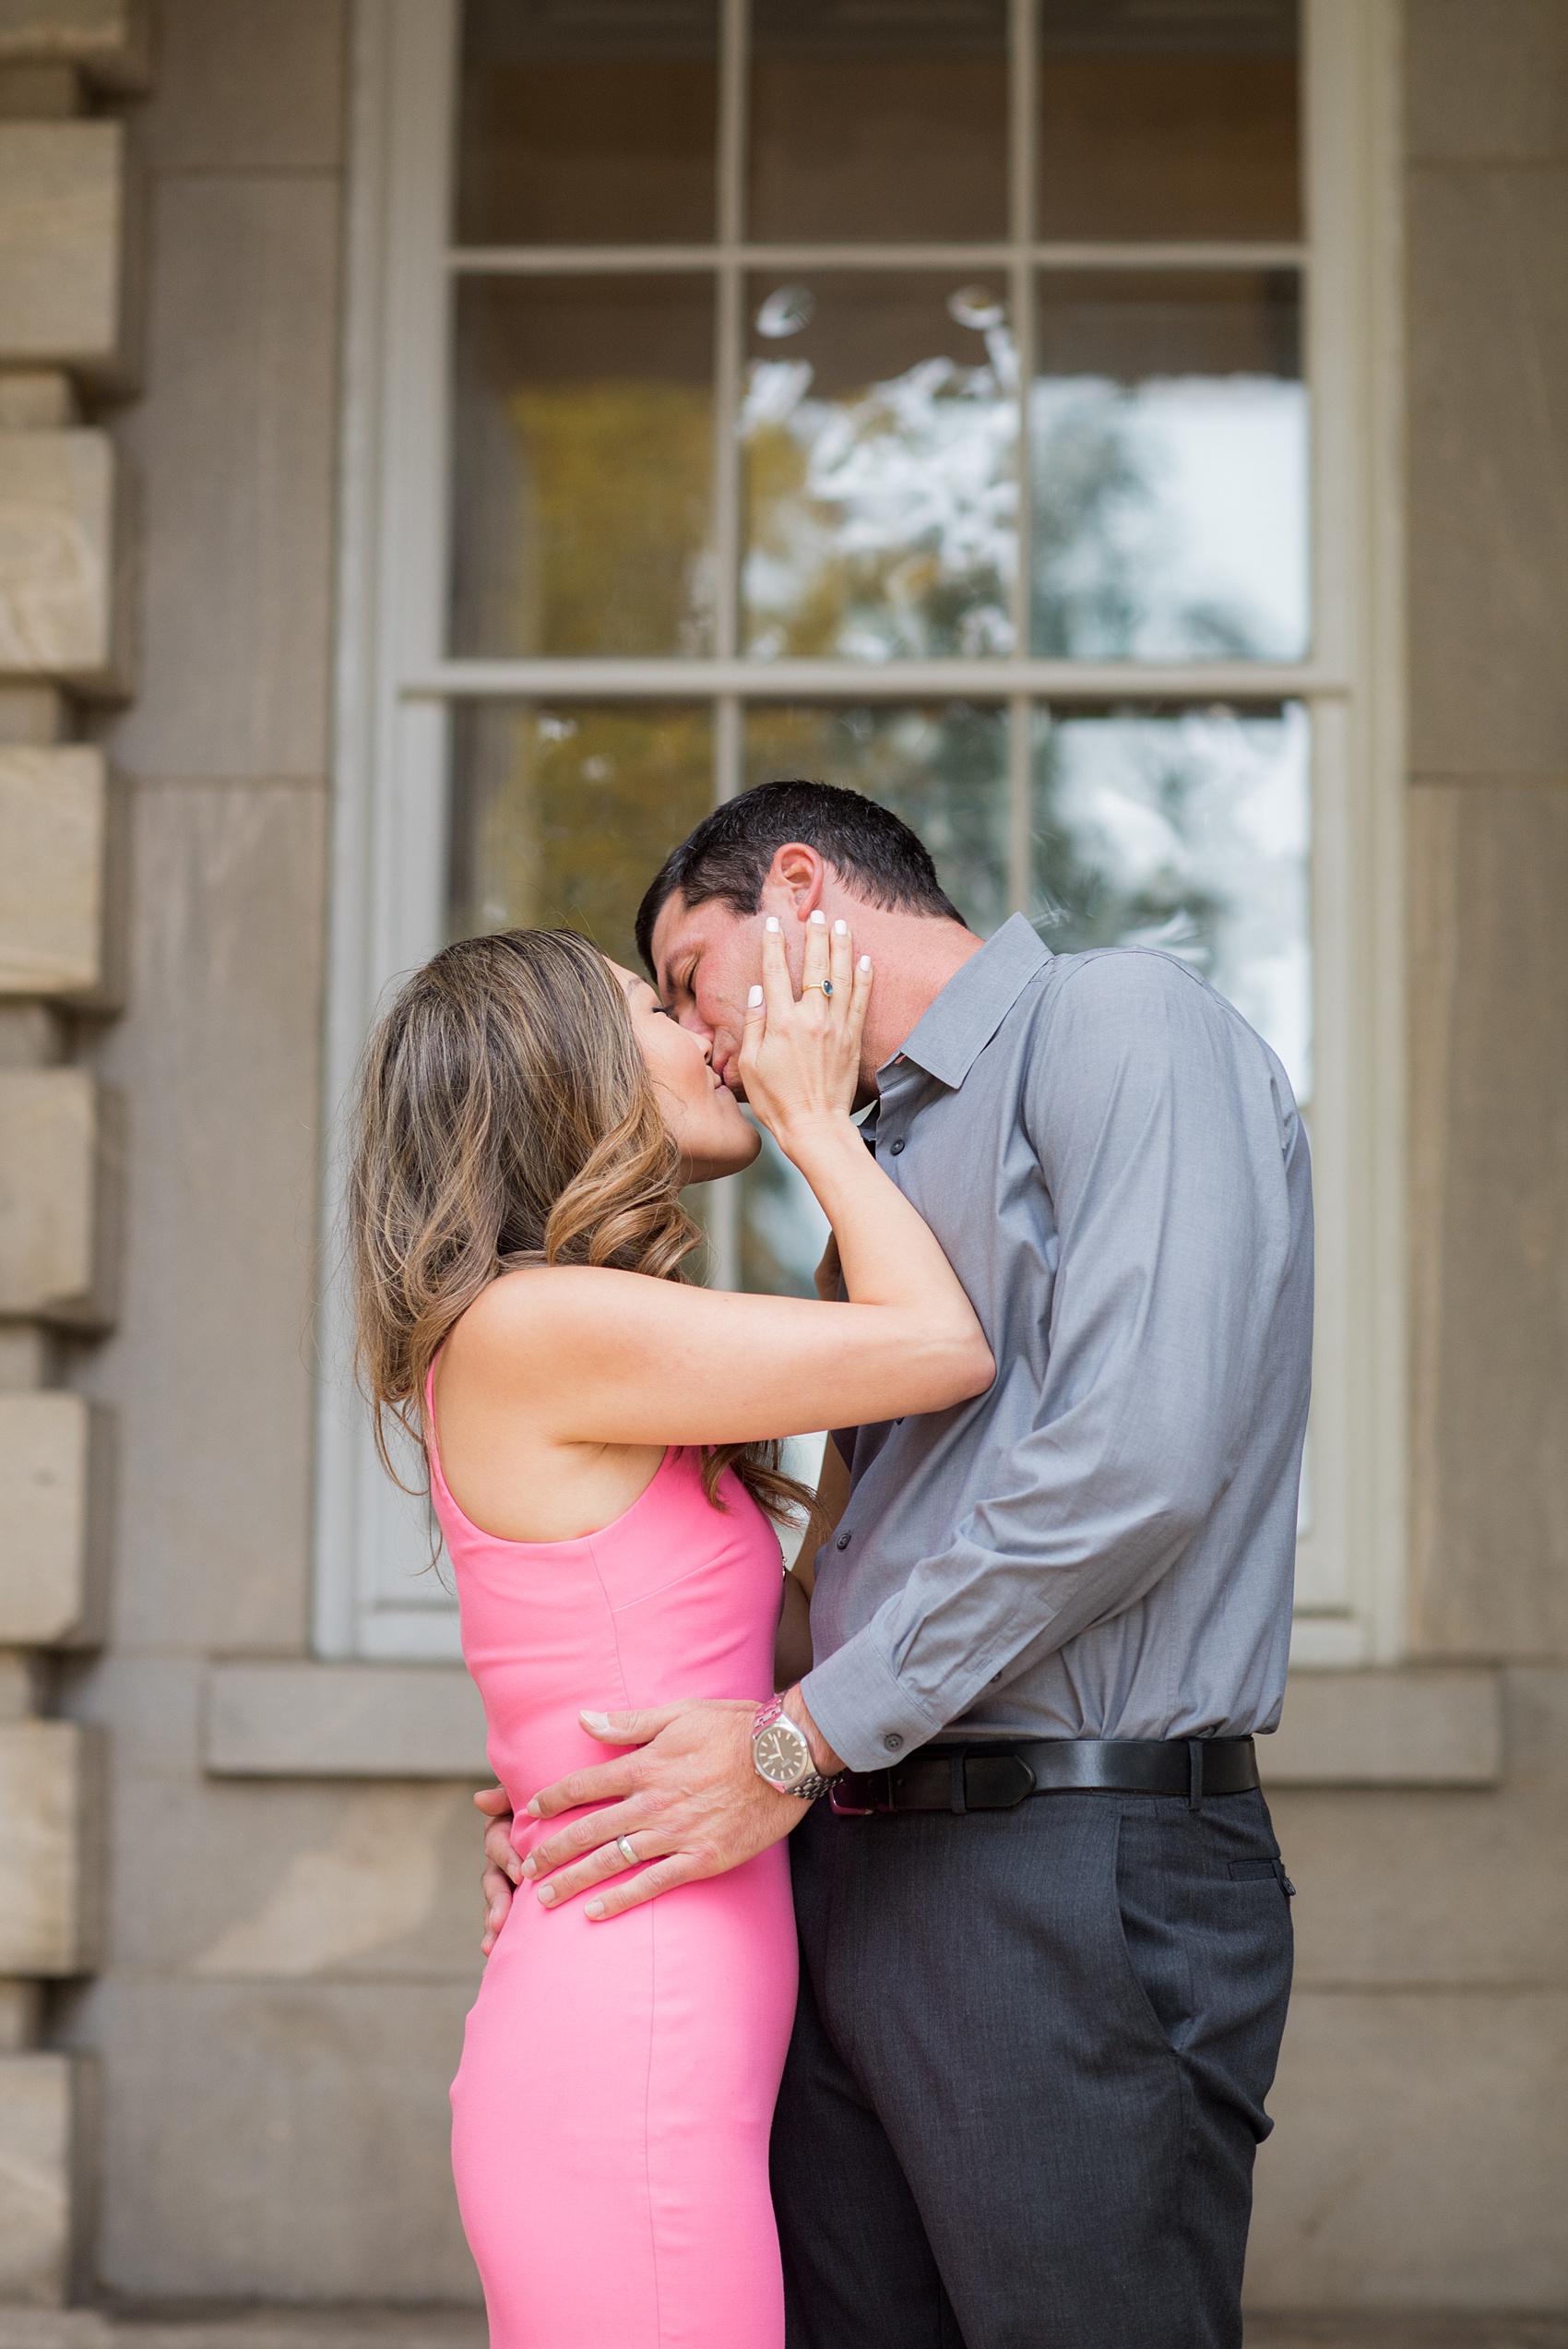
x=783, y=1758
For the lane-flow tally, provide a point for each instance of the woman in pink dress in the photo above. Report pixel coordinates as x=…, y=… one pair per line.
x=601, y=1440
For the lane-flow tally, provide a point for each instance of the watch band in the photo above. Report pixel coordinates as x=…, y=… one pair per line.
x=815, y=1782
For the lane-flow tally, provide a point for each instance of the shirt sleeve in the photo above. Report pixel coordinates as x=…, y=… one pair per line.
x=1162, y=1128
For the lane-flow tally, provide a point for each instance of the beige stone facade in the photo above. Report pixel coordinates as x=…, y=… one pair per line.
x=234, y=1981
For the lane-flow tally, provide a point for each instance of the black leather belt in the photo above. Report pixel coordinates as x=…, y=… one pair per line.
x=998, y=1777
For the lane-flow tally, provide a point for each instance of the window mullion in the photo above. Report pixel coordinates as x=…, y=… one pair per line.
x=727, y=368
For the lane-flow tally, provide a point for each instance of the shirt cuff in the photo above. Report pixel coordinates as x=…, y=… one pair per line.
x=862, y=1708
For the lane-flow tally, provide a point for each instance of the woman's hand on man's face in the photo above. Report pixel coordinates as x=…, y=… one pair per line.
x=800, y=1057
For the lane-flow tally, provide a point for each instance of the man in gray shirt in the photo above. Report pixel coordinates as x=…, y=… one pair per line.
x=1044, y=1923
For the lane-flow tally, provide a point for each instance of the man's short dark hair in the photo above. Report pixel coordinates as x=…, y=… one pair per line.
x=729, y=855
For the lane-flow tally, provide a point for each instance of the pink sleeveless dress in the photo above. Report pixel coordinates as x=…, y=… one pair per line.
x=611, y=2111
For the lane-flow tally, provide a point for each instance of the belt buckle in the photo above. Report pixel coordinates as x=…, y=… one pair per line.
x=842, y=1809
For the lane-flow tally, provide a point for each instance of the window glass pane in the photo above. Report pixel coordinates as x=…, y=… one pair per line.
x=582, y=462
x=1179, y=120
x=880, y=123
x=1188, y=830
x=878, y=430
x=561, y=816
x=587, y=124
x=943, y=769
x=1168, y=442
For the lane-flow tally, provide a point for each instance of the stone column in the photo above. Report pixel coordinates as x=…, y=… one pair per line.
x=65, y=223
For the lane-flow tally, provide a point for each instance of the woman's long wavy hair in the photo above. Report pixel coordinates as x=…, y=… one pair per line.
x=505, y=1117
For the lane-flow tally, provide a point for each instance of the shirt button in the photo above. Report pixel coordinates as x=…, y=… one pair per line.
x=842, y=1543
x=897, y=1146
x=893, y=1743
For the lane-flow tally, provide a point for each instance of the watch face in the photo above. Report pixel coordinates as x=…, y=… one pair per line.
x=783, y=1755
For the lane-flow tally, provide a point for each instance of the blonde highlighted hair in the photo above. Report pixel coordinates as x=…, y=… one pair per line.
x=505, y=1117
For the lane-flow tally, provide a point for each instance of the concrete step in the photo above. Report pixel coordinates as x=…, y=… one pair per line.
x=367, y=2328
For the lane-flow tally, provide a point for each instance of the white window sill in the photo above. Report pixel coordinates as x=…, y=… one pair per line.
x=299, y=1718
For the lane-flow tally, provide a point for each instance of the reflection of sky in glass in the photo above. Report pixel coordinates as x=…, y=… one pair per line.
x=882, y=522
x=1170, y=518
x=1192, y=833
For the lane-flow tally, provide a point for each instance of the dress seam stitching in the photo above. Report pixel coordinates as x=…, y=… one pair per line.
x=652, y=1976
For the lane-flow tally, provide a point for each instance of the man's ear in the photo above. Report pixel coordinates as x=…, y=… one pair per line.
x=798, y=872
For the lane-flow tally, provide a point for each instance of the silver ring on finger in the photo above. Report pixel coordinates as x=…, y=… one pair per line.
x=623, y=1845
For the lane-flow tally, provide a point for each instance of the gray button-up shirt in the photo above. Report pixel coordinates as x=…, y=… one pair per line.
x=1103, y=1545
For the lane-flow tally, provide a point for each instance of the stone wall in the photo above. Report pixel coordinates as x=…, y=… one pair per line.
x=66, y=239
x=1422, y=2157
x=237, y=2020
x=286, y=1965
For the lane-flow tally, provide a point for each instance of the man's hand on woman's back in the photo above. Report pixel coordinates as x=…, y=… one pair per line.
x=501, y=1866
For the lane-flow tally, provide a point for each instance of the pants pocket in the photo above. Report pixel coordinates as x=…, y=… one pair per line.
x=1263, y=1872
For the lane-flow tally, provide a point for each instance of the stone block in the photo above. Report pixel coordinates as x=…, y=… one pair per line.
x=1487, y=82
x=55, y=1457
x=224, y=1880
x=59, y=589
x=1419, y=2159
x=286, y=2140
x=148, y=1707
x=44, y=2128
x=1487, y=425
x=249, y=86
x=1407, y=1728
x=51, y=1812
x=344, y=1721
x=60, y=1149
x=37, y=399
x=31, y=717
x=211, y=1368
x=21, y=2010
x=108, y=40
x=62, y=930
x=20, y=1689
x=1441, y=1890
x=235, y=449
x=31, y=1034
x=62, y=247
x=1536, y=1706
x=1489, y=1220
x=41, y=93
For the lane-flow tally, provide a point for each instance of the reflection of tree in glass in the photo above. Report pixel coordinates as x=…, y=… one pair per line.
x=881, y=523
x=1190, y=830
x=613, y=531
x=1085, y=896
x=1102, y=547
x=943, y=770
x=782, y=1228
x=563, y=817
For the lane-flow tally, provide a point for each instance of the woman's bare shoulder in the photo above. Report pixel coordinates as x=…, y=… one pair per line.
x=547, y=1306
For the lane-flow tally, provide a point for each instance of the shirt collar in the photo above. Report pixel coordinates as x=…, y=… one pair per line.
x=950, y=1036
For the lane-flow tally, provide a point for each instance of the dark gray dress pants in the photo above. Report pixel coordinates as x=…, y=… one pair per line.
x=1028, y=2073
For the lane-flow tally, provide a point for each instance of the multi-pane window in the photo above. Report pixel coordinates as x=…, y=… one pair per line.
x=871, y=366
x=934, y=396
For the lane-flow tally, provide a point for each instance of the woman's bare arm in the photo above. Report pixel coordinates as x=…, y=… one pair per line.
x=593, y=1356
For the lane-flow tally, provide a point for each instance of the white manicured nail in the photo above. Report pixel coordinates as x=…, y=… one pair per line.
x=840, y=929
x=754, y=999
x=596, y=1723
x=821, y=917
x=771, y=923
x=865, y=962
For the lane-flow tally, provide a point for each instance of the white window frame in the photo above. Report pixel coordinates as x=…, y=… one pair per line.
x=395, y=687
